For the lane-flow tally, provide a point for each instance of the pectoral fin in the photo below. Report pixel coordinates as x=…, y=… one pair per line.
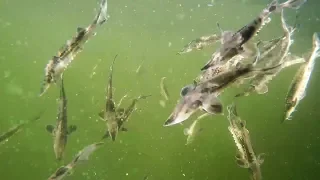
x=101, y=115
x=242, y=163
x=106, y=135
x=71, y=129
x=260, y=158
x=50, y=128
x=212, y=105
x=80, y=29
x=124, y=129
x=261, y=89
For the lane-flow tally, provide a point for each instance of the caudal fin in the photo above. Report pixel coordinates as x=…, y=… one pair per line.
x=102, y=15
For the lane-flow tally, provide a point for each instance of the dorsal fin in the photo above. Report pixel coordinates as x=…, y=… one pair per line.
x=80, y=29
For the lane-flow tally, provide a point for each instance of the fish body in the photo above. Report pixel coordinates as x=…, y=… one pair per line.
x=245, y=157
x=68, y=52
x=83, y=155
x=109, y=113
x=298, y=87
x=61, y=131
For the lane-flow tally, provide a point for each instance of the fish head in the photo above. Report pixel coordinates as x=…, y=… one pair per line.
x=187, y=105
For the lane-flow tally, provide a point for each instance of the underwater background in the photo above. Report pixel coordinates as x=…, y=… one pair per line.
x=150, y=33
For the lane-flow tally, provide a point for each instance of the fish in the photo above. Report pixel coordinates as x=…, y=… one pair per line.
x=17, y=128
x=193, y=130
x=299, y=84
x=200, y=43
x=234, y=43
x=138, y=70
x=259, y=83
x=109, y=113
x=163, y=89
x=59, y=63
x=246, y=157
x=61, y=131
x=124, y=114
x=203, y=96
x=83, y=155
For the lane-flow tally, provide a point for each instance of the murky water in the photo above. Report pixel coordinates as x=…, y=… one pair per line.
x=150, y=32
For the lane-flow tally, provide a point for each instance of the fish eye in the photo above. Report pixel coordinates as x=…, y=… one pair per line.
x=196, y=104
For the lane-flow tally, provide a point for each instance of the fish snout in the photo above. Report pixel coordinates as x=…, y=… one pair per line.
x=182, y=112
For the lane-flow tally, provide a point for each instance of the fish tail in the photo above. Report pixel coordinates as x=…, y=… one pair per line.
x=292, y=4
x=102, y=15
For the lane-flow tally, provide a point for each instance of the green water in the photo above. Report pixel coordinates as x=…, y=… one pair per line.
x=153, y=31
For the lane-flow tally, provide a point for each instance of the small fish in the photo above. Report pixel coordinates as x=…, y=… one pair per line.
x=67, y=53
x=14, y=130
x=83, y=155
x=146, y=177
x=200, y=43
x=298, y=87
x=164, y=91
x=234, y=44
x=109, y=113
x=138, y=70
x=246, y=157
x=61, y=131
x=193, y=130
x=124, y=114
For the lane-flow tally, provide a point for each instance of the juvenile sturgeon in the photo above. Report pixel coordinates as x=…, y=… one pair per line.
x=298, y=87
x=17, y=128
x=83, y=155
x=109, y=113
x=204, y=95
x=112, y=114
x=68, y=52
x=246, y=157
x=61, y=131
